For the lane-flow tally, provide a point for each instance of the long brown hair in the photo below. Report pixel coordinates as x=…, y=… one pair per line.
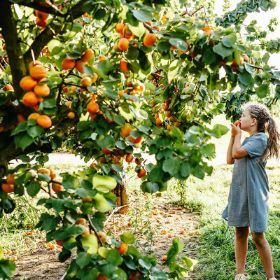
x=265, y=123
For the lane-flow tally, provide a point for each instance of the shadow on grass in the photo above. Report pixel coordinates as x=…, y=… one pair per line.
x=216, y=252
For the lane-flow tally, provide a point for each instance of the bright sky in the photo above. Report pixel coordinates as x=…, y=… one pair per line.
x=263, y=19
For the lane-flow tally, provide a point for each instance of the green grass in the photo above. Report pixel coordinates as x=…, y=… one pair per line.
x=216, y=243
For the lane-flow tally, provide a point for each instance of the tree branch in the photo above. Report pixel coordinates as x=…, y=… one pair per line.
x=37, y=5
x=51, y=30
x=9, y=32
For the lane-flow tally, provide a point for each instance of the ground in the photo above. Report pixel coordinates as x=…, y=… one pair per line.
x=165, y=222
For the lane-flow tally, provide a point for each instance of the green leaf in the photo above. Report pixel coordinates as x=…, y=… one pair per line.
x=132, y=53
x=222, y=51
x=262, y=91
x=7, y=269
x=229, y=41
x=149, y=187
x=35, y=131
x=171, y=165
x=23, y=140
x=219, y=130
x=179, y=44
x=208, y=150
x=246, y=78
x=33, y=188
x=114, y=258
x=185, y=169
x=98, y=220
x=83, y=259
x=20, y=128
x=49, y=103
x=142, y=15
x=106, y=142
x=173, y=70
x=127, y=237
x=48, y=222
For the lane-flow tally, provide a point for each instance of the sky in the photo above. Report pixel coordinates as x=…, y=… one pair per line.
x=263, y=19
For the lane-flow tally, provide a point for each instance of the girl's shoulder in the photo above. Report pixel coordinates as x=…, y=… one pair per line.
x=259, y=136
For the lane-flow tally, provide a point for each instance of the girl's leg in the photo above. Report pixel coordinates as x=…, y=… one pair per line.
x=241, y=248
x=264, y=252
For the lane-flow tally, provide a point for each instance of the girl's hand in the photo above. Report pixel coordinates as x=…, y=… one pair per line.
x=235, y=128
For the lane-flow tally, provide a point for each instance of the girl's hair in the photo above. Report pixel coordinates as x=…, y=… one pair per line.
x=265, y=123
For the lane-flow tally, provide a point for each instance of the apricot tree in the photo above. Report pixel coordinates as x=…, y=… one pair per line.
x=118, y=81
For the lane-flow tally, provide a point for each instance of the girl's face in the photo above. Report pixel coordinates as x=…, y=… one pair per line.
x=247, y=122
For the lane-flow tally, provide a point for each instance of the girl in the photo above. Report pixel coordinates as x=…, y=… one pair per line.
x=247, y=204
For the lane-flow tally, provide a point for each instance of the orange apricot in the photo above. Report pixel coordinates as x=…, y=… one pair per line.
x=44, y=121
x=149, y=40
x=27, y=83
x=30, y=99
x=123, y=44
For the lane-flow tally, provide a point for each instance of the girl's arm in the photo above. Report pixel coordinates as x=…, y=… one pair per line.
x=237, y=150
x=230, y=159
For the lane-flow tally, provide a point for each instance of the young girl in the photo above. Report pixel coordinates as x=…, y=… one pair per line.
x=247, y=204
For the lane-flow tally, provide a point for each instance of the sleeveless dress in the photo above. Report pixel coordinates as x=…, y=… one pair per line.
x=248, y=196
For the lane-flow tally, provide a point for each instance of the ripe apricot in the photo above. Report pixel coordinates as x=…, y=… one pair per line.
x=94, y=78
x=106, y=151
x=102, y=58
x=127, y=33
x=33, y=116
x=149, y=40
x=141, y=173
x=79, y=65
x=87, y=199
x=8, y=87
x=125, y=130
x=129, y=158
x=7, y=188
x=21, y=118
x=135, y=276
x=43, y=170
x=136, y=140
x=158, y=122
x=237, y=123
x=10, y=179
x=87, y=55
x=38, y=71
x=208, y=30
x=124, y=66
x=102, y=277
x=44, y=121
x=41, y=22
x=81, y=221
x=123, y=44
x=68, y=63
x=71, y=115
x=41, y=15
x=42, y=90
x=123, y=248
x=86, y=82
x=164, y=258
x=102, y=236
x=59, y=242
x=30, y=99
x=27, y=83
x=57, y=187
x=52, y=173
x=120, y=27
x=92, y=107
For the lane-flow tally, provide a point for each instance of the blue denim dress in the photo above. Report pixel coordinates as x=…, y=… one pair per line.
x=248, y=196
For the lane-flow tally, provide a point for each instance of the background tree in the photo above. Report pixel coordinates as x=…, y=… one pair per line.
x=119, y=82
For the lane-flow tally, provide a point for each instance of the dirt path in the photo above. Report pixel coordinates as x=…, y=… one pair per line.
x=155, y=226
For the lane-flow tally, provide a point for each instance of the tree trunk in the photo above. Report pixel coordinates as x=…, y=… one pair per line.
x=122, y=198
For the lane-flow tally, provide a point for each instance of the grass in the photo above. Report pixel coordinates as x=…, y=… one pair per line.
x=216, y=243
